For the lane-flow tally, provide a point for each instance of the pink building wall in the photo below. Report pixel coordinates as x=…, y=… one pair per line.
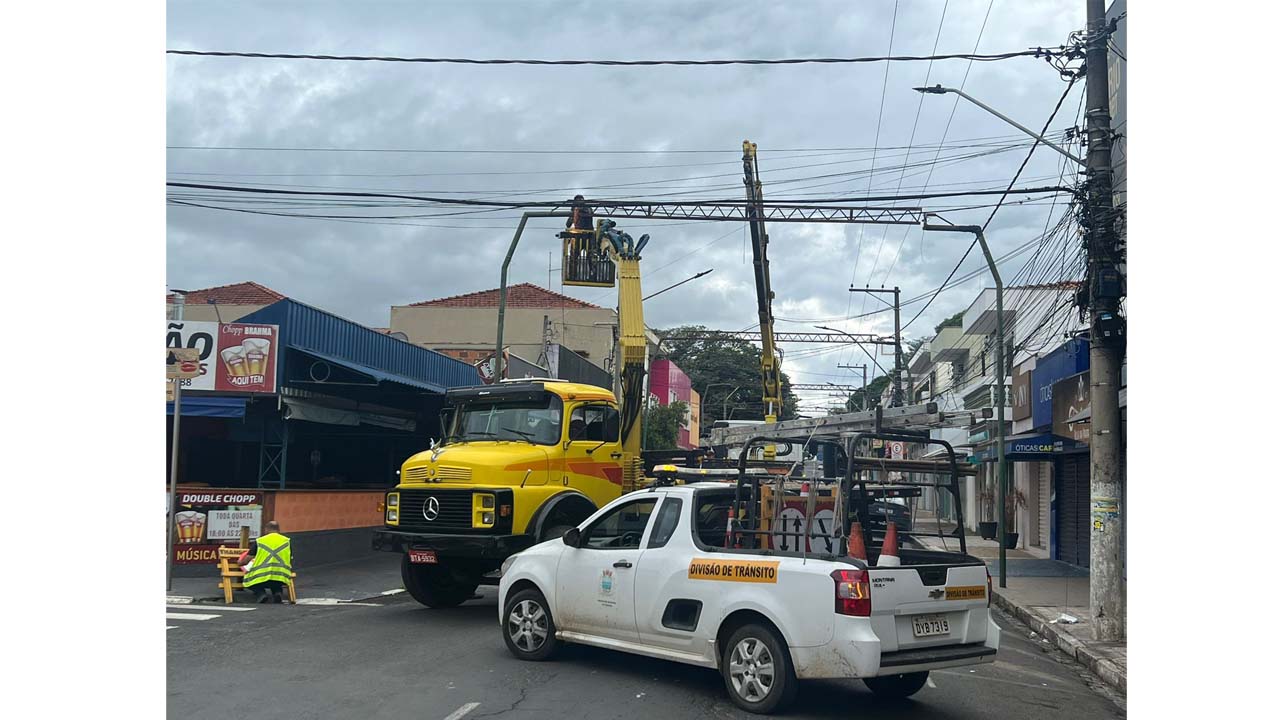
x=668, y=383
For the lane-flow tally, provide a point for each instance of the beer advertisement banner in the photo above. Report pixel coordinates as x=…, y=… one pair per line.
x=234, y=357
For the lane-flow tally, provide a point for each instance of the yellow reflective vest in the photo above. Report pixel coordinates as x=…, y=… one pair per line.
x=274, y=561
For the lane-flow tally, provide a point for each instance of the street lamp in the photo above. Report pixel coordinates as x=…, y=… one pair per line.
x=1000, y=376
x=939, y=90
x=855, y=341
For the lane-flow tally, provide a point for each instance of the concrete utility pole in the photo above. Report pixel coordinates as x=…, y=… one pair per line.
x=1105, y=288
x=897, y=337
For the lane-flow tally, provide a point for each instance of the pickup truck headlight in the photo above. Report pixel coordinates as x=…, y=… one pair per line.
x=483, y=510
x=506, y=565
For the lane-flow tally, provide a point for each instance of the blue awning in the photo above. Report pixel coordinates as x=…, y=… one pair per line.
x=374, y=375
x=224, y=407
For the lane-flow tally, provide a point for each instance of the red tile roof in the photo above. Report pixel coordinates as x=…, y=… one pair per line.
x=525, y=295
x=245, y=293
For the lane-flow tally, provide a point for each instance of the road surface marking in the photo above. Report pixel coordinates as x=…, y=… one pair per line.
x=219, y=608
x=457, y=714
x=178, y=599
x=189, y=616
x=930, y=683
x=334, y=601
x=392, y=591
x=170, y=627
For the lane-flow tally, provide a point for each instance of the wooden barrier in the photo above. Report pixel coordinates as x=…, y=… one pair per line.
x=233, y=576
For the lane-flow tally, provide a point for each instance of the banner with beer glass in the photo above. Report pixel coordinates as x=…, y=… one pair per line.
x=234, y=357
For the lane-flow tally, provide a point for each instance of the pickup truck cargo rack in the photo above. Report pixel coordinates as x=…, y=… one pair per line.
x=850, y=496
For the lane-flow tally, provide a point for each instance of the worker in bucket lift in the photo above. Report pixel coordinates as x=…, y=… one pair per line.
x=272, y=566
x=581, y=219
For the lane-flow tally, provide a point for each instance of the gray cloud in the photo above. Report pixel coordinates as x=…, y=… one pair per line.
x=359, y=269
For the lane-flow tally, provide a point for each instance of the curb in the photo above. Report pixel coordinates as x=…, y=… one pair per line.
x=1104, y=668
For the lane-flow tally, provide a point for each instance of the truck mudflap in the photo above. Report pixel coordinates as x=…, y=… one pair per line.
x=495, y=547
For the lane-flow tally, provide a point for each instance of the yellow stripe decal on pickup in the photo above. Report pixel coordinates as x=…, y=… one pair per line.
x=967, y=592
x=753, y=571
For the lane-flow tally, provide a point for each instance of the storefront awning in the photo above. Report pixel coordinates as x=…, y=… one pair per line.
x=1029, y=446
x=375, y=376
x=223, y=407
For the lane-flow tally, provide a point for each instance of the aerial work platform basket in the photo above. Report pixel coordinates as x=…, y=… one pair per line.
x=584, y=261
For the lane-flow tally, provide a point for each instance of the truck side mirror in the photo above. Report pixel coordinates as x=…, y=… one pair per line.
x=572, y=537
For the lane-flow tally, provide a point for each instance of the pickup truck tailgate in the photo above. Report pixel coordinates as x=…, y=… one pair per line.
x=920, y=606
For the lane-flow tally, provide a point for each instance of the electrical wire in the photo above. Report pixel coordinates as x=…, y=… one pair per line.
x=1037, y=52
x=996, y=209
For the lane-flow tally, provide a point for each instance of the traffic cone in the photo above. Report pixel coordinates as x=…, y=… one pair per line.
x=857, y=548
x=889, y=553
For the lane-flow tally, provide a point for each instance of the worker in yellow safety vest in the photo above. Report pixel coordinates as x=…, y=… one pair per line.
x=272, y=565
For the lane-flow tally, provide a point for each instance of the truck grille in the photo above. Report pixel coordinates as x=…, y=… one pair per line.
x=447, y=473
x=417, y=474
x=454, y=513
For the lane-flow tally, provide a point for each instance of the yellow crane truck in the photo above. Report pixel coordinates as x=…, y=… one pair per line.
x=523, y=461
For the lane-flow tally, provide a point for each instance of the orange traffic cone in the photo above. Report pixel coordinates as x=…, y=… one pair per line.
x=889, y=553
x=857, y=548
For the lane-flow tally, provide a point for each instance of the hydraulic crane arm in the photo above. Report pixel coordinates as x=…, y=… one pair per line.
x=770, y=365
x=632, y=344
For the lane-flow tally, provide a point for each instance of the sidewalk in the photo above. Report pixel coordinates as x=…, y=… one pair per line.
x=349, y=581
x=1038, y=594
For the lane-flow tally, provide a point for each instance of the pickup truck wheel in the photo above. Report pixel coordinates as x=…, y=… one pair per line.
x=434, y=585
x=527, y=627
x=897, y=686
x=757, y=670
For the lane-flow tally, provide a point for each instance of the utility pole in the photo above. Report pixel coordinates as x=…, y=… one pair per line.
x=864, y=381
x=1104, y=288
x=897, y=337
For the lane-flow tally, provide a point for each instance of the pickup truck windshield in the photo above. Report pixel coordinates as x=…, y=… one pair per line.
x=537, y=421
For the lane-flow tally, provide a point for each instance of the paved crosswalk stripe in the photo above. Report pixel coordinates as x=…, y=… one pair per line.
x=189, y=616
x=211, y=608
x=170, y=627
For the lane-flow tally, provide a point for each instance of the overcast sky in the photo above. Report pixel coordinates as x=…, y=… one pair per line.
x=359, y=269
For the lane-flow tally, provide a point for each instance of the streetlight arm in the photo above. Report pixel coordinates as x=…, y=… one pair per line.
x=855, y=342
x=939, y=90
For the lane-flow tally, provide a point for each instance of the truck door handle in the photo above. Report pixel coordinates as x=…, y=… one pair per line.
x=615, y=455
x=622, y=564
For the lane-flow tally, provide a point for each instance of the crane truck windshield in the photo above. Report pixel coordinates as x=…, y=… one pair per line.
x=536, y=421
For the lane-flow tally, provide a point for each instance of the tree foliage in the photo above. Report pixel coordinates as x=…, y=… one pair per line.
x=954, y=321
x=662, y=425
x=717, y=367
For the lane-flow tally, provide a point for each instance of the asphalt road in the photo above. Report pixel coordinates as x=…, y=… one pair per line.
x=397, y=660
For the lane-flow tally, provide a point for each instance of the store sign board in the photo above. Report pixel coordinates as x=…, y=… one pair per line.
x=207, y=498
x=182, y=363
x=1070, y=398
x=233, y=357
x=204, y=554
x=226, y=524
x=1069, y=359
x=1021, y=395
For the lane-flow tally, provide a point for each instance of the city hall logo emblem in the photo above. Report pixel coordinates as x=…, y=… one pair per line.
x=431, y=509
x=606, y=582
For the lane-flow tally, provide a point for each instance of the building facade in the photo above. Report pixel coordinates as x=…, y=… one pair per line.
x=466, y=326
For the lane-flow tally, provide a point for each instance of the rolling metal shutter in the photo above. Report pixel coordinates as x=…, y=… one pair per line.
x=1043, y=478
x=1073, y=509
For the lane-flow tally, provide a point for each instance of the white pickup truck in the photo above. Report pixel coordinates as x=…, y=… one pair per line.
x=649, y=574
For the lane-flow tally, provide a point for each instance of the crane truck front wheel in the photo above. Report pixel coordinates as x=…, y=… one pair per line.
x=436, y=586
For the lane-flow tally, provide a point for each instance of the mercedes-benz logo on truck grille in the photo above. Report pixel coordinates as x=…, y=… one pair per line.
x=431, y=509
